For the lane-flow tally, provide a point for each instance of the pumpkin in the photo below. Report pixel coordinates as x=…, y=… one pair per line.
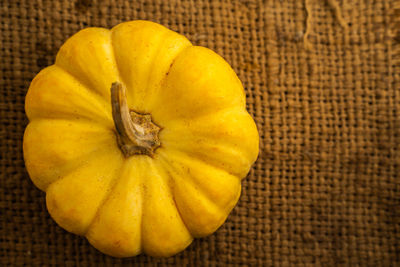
x=139, y=139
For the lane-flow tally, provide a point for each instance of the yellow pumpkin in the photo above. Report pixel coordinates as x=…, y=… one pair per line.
x=139, y=139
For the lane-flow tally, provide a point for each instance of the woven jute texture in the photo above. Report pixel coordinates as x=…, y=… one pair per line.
x=322, y=80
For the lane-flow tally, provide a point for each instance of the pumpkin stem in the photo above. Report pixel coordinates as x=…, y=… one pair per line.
x=136, y=133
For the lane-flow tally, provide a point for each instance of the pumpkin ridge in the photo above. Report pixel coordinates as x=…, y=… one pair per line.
x=159, y=171
x=94, y=117
x=74, y=60
x=198, y=74
x=73, y=164
x=84, y=84
x=126, y=165
x=205, y=115
x=141, y=218
x=76, y=177
x=186, y=136
x=170, y=176
x=95, y=93
x=198, y=156
x=165, y=75
x=117, y=67
x=153, y=62
x=111, y=188
x=171, y=170
x=130, y=91
x=172, y=64
x=79, y=161
x=72, y=118
x=193, y=182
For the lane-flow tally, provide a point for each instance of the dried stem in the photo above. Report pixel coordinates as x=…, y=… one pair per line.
x=136, y=133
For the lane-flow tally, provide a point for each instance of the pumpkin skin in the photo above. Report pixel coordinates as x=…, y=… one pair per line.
x=142, y=203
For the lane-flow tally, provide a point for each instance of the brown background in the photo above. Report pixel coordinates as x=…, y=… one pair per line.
x=322, y=83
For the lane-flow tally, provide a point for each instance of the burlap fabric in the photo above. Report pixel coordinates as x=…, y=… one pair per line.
x=322, y=80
